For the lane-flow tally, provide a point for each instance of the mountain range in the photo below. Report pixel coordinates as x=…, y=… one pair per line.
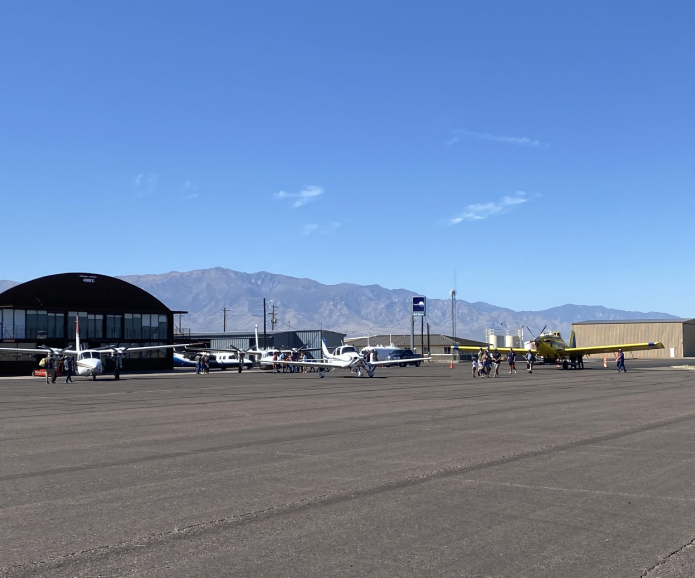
x=345, y=307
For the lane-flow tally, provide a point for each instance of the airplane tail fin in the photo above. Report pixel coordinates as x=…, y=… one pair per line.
x=258, y=345
x=573, y=339
x=77, y=333
x=324, y=348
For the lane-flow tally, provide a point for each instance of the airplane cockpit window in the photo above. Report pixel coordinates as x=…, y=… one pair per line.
x=349, y=349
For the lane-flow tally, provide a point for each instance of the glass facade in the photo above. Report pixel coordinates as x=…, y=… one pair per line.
x=41, y=324
x=31, y=324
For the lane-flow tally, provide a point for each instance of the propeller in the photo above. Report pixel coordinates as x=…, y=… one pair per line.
x=542, y=330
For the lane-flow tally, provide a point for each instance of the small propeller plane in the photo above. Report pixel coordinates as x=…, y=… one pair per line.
x=222, y=358
x=551, y=346
x=344, y=357
x=88, y=362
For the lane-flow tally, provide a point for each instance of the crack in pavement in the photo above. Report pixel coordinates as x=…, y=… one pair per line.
x=667, y=558
x=331, y=498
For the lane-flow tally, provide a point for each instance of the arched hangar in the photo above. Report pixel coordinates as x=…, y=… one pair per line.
x=110, y=312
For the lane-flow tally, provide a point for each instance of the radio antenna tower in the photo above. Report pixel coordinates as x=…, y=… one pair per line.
x=453, y=308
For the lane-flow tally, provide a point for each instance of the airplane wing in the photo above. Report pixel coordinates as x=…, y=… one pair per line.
x=329, y=364
x=502, y=350
x=40, y=351
x=145, y=348
x=612, y=348
x=397, y=361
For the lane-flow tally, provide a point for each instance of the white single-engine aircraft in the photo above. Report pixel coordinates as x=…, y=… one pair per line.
x=88, y=362
x=345, y=357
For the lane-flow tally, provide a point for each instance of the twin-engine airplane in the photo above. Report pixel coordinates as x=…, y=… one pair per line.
x=344, y=357
x=88, y=362
x=222, y=358
x=551, y=346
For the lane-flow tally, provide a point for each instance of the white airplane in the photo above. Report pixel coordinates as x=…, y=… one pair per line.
x=344, y=357
x=88, y=362
x=222, y=358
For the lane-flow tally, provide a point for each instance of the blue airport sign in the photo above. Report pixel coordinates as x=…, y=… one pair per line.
x=419, y=305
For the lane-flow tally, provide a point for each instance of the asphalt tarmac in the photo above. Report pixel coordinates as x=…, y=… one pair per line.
x=416, y=472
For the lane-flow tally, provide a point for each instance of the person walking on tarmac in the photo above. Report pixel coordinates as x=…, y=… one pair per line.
x=496, y=360
x=511, y=359
x=50, y=371
x=68, y=364
x=620, y=358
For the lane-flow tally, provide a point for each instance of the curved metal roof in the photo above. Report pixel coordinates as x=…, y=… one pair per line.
x=81, y=292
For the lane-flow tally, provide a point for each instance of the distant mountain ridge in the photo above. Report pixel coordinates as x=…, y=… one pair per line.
x=346, y=307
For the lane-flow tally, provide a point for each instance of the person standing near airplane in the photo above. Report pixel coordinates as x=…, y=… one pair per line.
x=49, y=367
x=620, y=358
x=511, y=359
x=530, y=359
x=68, y=365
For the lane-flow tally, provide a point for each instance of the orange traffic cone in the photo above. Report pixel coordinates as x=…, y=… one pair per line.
x=452, y=364
x=605, y=362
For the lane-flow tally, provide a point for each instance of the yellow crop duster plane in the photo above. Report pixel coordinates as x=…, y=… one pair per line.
x=552, y=347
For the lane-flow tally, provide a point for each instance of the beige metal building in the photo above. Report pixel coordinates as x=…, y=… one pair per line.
x=677, y=335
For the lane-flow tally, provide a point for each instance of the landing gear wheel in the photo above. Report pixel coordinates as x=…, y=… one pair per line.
x=417, y=364
x=401, y=365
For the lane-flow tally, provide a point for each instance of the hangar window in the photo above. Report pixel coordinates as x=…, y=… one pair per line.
x=9, y=326
x=447, y=350
x=56, y=325
x=133, y=326
x=114, y=329
x=95, y=326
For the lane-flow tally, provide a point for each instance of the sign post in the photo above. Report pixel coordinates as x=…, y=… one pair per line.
x=418, y=307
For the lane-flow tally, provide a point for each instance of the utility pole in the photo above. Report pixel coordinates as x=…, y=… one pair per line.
x=273, y=320
x=453, y=313
x=264, y=327
x=224, y=320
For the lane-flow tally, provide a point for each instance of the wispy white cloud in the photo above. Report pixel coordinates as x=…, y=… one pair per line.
x=145, y=184
x=324, y=229
x=522, y=141
x=189, y=190
x=480, y=211
x=306, y=195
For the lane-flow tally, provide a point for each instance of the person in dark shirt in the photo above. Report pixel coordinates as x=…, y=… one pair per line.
x=496, y=360
x=620, y=358
x=69, y=365
x=511, y=359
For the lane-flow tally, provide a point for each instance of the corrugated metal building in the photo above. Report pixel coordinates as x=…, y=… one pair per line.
x=677, y=335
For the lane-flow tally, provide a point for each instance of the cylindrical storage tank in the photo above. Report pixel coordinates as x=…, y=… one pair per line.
x=497, y=340
x=512, y=341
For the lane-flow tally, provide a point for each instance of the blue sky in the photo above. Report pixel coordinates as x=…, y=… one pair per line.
x=544, y=149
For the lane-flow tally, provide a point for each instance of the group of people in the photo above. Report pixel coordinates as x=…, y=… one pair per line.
x=202, y=363
x=52, y=366
x=487, y=362
x=280, y=364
